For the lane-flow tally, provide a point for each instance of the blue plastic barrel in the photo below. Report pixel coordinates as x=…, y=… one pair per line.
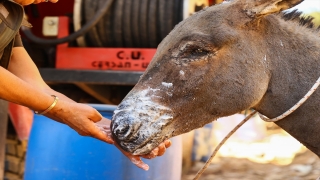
x=56, y=152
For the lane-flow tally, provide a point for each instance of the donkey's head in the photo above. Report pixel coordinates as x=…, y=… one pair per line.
x=212, y=64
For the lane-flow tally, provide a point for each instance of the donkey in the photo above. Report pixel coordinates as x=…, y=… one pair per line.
x=230, y=57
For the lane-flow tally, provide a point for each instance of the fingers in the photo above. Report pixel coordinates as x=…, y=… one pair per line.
x=100, y=130
x=153, y=154
x=88, y=111
x=134, y=159
x=158, y=151
x=167, y=143
x=138, y=162
x=162, y=149
x=101, y=133
x=104, y=122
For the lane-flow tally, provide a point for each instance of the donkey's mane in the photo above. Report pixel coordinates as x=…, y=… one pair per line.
x=302, y=20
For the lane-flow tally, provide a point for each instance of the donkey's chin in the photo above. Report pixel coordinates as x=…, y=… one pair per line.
x=147, y=148
x=153, y=141
x=143, y=141
x=150, y=143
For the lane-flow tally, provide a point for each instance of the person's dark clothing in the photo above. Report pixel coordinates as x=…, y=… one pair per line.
x=11, y=18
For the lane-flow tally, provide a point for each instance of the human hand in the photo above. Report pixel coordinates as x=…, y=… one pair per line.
x=136, y=159
x=82, y=118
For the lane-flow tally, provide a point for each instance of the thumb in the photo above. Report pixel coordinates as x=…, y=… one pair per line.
x=95, y=116
x=101, y=133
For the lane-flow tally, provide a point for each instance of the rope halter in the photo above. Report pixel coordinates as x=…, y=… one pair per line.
x=296, y=106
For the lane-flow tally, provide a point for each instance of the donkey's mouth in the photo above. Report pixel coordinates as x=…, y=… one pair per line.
x=147, y=147
x=139, y=141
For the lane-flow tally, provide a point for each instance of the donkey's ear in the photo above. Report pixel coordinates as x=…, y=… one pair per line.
x=256, y=8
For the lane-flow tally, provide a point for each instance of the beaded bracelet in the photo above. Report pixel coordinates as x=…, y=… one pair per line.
x=50, y=107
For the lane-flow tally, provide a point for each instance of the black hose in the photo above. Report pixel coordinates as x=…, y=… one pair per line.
x=97, y=17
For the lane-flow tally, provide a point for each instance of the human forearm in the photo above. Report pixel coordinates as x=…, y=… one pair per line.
x=21, y=60
x=15, y=90
x=61, y=96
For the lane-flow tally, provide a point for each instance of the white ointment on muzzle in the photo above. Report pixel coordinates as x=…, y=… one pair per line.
x=138, y=121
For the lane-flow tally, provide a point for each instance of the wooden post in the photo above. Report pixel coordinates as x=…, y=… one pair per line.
x=3, y=134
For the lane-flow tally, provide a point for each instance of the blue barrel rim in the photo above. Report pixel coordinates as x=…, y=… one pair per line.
x=104, y=107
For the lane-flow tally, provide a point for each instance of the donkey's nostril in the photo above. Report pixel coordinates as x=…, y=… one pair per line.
x=122, y=131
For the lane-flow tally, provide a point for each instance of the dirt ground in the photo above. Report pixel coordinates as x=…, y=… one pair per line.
x=305, y=166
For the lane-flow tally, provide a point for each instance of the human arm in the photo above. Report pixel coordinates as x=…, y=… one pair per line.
x=23, y=85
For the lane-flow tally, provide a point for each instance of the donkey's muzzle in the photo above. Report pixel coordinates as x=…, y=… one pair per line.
x=124, y=130
x=138, y=122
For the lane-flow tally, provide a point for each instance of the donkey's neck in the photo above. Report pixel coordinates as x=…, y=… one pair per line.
x=294, y=62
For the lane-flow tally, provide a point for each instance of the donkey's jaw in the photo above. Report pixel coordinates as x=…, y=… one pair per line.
x=138, y=123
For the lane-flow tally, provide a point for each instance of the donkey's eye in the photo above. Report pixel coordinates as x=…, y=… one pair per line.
x=199, y=52
x=193, y=51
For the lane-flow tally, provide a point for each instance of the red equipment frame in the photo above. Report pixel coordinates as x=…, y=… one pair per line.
x=87, y=58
